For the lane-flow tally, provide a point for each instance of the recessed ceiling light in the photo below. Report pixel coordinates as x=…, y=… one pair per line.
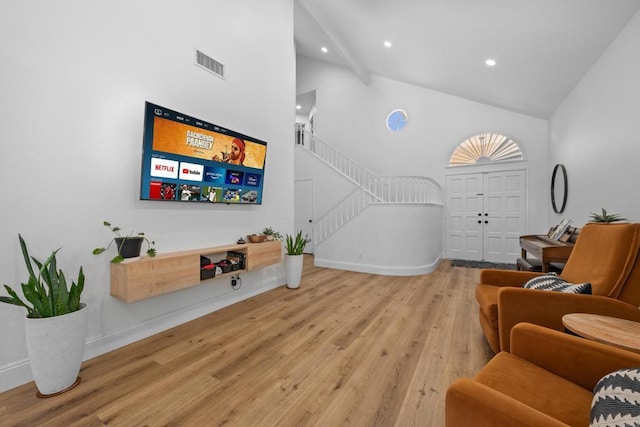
x=490, y=62
x=387, y=43
x=298, y=107
x=324, y=49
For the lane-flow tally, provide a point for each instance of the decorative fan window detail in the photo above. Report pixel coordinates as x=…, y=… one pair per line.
x=485, y=148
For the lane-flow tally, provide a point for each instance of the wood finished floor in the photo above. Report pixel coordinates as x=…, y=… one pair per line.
x=346, y=349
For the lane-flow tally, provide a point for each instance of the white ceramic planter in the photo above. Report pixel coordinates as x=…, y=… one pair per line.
x=293, y=270
x=56, y=346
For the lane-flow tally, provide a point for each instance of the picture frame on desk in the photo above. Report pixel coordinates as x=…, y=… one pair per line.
x=566, y=237
x=561, y=229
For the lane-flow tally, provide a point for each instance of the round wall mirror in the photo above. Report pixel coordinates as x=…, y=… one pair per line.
x=559, y=188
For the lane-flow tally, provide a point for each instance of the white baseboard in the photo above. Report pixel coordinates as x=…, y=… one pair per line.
x=387, y=270
x=19, y=373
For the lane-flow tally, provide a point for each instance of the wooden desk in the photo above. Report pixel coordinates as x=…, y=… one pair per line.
x=545, y=249
x=619, y=333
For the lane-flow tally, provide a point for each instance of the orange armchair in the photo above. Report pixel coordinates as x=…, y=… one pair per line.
x=546, y=380
x=605, y=255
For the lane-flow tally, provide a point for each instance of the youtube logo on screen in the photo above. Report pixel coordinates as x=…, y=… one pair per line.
x=191, y=171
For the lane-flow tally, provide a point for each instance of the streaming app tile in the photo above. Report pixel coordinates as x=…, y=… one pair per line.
x=214, y=175
x=191, y=171
x=164, y=168
x=252, y=179
x=234, y=177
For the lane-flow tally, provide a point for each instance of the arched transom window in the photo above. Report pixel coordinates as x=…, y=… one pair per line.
x=485, y=148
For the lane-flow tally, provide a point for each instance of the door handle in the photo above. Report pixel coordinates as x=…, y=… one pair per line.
x=486, y=222
x=479, y=222
x=479, y=214
x=310, y=220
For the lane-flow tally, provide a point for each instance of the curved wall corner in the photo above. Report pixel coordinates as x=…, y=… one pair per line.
x=394, y=240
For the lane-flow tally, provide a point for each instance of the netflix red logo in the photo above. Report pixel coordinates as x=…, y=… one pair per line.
x=164, y=168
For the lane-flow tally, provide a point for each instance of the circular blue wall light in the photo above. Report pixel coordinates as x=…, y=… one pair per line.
x=396, y=120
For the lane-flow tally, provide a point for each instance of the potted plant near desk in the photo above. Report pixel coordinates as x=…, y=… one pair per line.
x=128, y=246
x=56, y=323
x=293, y=258
x=606, y=217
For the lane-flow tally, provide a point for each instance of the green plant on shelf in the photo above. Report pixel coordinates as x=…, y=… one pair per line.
x=275, y=235
x=120, y=241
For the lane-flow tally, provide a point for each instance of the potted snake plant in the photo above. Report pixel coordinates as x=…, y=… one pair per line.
x=293, y=259
x=56, y=323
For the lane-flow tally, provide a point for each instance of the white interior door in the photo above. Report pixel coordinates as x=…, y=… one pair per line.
x=486, y=215
x=504, y=215
x=464, y=202
x=303, y=210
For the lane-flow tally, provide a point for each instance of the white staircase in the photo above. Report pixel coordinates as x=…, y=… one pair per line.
x=370, y=188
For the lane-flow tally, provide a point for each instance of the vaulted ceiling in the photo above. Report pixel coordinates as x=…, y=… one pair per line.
x=542, y=48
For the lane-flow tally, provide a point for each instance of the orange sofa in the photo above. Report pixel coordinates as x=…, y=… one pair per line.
x=546, y=380
x=605, y=255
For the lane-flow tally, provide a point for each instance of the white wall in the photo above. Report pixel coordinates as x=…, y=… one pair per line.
x=387, y=239
x=74, y=80
x=595, y=133
x=351, y=116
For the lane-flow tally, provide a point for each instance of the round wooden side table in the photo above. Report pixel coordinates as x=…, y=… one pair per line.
x=620, y=333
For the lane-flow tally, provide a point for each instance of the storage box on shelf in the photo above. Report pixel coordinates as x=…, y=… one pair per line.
x=137, y=279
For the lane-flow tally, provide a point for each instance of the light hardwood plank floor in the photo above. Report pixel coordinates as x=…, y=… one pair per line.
x=345, y=349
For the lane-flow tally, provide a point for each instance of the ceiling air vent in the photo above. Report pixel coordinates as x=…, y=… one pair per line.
x=209, y=64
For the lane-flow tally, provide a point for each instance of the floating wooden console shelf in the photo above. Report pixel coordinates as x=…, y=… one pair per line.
x=137, y=279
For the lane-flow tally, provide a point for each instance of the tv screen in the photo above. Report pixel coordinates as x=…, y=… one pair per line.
x=186, y=159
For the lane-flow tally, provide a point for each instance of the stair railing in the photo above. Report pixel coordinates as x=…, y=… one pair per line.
x=337, y=160
x=371, y=189
x=380, y=190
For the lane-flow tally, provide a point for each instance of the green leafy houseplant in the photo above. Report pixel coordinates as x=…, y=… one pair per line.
x=268, y=231
x=120, y=241
x=605, y=217
x=295, y=245
x=47, y=291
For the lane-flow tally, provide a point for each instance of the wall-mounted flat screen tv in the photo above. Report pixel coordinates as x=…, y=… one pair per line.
x=190, y=160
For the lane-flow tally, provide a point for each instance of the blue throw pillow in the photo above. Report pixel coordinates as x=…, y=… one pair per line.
x=616, y=399
x=553, y=282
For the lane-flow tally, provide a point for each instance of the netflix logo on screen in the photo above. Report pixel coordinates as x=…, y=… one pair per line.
x=191, y=171
x=163, y=168
x=252, y=180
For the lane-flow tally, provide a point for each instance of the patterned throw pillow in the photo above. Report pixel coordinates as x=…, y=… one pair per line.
x=552, y=282
x=616, y=399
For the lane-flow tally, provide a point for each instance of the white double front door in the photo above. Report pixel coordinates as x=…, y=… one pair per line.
x=486, y=215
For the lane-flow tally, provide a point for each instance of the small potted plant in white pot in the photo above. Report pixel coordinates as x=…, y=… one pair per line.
x=55, y=326
x=128, y=246
x=293, y=260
